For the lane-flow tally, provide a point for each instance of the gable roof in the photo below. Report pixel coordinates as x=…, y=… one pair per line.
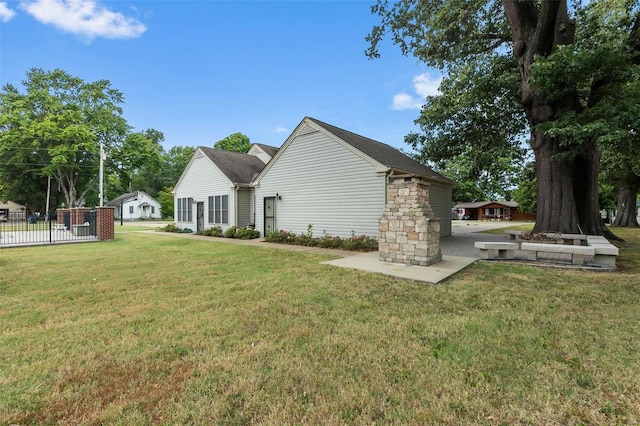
x=383, y=153
x=478, y=204
x=129, y=196
x=238, y=168
x=10, y=205
x=270, y=150
x=375, y=152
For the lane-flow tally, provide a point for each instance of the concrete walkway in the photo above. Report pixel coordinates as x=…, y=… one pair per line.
x=458, y=252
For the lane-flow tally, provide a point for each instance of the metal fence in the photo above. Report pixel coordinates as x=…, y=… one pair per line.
x=35, y=230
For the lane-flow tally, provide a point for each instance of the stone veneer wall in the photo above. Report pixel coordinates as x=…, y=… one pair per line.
x=409, y=231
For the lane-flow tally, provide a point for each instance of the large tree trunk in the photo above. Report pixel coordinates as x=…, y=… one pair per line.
x=567, y=185
x=626, y=210
x=556, y=210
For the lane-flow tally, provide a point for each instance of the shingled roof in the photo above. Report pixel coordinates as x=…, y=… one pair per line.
x=385, y=154
x=270, y=150
x=478, y=204
x=129, y=196
x=238, y=168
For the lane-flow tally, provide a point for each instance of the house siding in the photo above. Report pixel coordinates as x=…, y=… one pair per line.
x=263, y=156
x=324, y=184
x=260, y=153
x=440, y=201
x=139, y=212
x=201, y=180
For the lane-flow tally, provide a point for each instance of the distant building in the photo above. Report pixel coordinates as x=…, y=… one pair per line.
x=12, y=211
x=491, y=210
x=136, y=205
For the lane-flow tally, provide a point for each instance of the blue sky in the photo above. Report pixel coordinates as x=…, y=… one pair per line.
x=201, y=70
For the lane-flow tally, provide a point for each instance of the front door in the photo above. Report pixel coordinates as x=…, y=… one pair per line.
x=200, y=216
x=269, y=214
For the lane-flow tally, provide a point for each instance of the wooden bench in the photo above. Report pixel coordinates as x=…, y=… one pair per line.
x=577, y=253
x=496, y=250
x=60, y=227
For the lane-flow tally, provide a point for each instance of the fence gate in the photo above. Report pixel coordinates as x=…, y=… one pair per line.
x=91, y=218
x=38, y=230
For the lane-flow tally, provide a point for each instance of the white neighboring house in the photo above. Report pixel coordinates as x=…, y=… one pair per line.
x=335, y=180
x=136, y=205
x=215, y=188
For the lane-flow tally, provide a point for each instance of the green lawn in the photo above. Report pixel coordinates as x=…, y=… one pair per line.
x=133, y=226
x=154, y=329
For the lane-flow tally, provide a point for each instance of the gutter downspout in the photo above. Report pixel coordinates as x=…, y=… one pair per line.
x=235, y=207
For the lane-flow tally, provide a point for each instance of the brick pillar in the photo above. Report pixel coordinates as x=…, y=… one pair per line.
x=77, y=215
x=60, y=215
x=105, y=226
x=409, y=231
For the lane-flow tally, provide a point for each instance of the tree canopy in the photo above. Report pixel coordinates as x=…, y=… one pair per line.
x=534, y=69
x=140, y=154
x=54, y=129
x=236, y=142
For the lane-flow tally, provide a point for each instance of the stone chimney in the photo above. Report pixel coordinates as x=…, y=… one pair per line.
x=409, y=231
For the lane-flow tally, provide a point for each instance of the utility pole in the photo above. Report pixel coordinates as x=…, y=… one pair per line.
x=101, y=185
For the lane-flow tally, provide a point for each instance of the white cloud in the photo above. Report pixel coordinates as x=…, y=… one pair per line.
x=86, y=18
x=5, y=13
x=424, y=85
x=282, y=130
x=403, y=101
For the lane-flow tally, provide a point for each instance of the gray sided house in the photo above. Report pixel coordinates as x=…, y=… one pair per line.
x=215, y=188
x=336, y=181
x=323, y=176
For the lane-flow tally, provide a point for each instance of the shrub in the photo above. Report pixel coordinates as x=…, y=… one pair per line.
x=214, y=231
x=246, y=233
x=281, y=237
x=185, y=231
x=329, y=241
x=169, y=228
x=231, y=232
x=354, y=243
x=306, y=240
x=360, y=243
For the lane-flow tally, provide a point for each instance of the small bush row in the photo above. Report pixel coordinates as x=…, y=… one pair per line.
x=173, y=228
x=216, y=231
x=353, y=243
x=231, y=232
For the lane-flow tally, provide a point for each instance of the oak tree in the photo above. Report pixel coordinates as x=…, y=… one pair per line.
x=516, y=43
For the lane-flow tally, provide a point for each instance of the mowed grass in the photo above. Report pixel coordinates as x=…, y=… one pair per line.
x=141, y=225
x=155, y=329
x=525, y=227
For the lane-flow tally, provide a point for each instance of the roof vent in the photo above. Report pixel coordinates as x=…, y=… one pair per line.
x=306, y=129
